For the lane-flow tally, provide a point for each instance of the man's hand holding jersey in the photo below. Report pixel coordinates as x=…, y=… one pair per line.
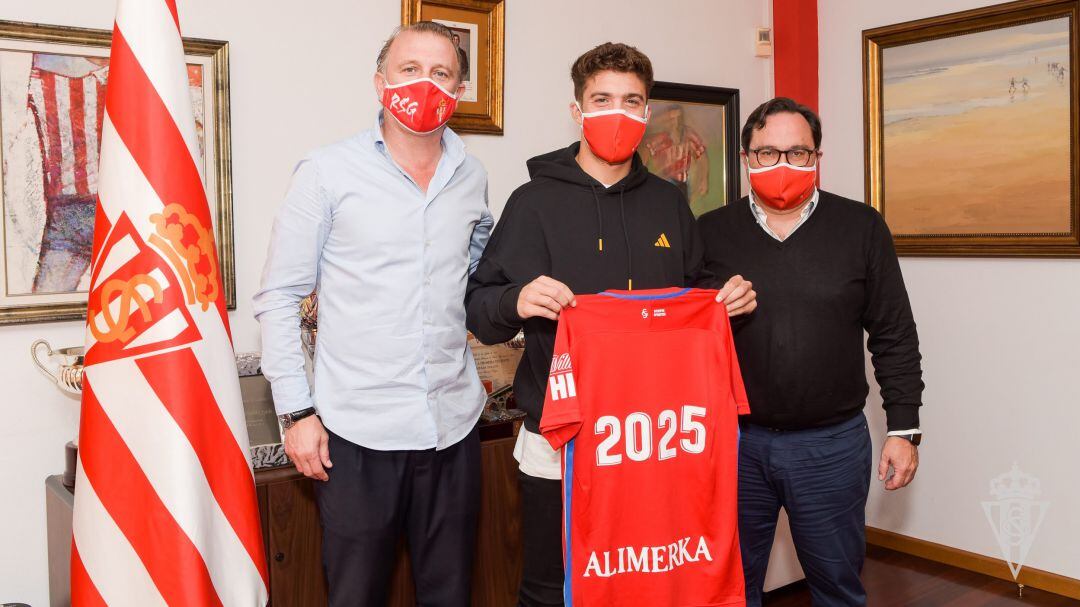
x=738, y=295
x=544, y=297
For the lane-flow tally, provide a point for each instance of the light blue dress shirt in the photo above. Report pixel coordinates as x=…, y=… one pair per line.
x=390, y=262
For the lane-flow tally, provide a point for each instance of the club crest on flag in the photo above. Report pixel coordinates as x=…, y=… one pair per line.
x=139, y=295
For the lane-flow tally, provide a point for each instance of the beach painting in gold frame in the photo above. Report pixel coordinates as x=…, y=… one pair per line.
x=974, y=148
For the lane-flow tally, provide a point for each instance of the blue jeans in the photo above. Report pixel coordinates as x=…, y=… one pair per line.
x=821, y=477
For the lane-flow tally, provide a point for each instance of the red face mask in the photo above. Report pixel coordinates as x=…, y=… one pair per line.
x=782, y=186
x=421, y=106
x=613, y=135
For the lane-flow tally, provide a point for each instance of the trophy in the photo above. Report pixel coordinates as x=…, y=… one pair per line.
x=309, y=323
x=68, y=376
x=69, y=363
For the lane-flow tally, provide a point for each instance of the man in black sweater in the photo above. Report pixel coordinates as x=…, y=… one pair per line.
x=591, y=218
x=826, y=269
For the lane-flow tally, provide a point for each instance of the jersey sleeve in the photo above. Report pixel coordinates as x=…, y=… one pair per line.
x=561, y=419
x=738, y=390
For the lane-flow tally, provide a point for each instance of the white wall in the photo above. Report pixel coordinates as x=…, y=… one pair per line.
x=999, y=340
x=300, y=78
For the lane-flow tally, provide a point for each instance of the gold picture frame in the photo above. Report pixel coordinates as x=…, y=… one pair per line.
x=480, y=28
x=28, y=50
x=971, y=131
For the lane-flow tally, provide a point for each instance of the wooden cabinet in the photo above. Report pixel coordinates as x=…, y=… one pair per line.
x=291, y=529
x=292, y=537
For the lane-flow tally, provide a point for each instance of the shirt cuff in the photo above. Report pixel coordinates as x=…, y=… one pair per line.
x=291, y=395
x=903, y=432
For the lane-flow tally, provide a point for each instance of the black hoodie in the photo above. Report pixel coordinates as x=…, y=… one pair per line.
x=637, y=234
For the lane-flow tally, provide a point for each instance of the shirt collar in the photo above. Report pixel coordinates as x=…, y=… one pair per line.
x=762, y=219
x=452, y=144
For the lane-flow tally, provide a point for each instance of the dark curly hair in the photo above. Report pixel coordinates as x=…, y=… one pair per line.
x=611, y=56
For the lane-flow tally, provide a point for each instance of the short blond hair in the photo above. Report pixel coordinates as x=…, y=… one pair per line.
x=426, y=27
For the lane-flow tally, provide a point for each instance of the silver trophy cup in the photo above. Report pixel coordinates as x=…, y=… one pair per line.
x=68, y=376
x=68, y=361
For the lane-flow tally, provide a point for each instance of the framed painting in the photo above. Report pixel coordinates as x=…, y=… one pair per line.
x=693, y=141
x=478, y=28
x=971, y=131
x=52, y=109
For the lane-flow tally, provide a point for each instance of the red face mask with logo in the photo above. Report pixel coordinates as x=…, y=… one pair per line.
x=613, y=135
x=421, y=106
x=782, y=186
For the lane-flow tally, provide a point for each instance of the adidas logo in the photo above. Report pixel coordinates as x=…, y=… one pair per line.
x=662, y=242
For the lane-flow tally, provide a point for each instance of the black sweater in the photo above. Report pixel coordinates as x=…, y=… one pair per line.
x=553, y=226
x=801, y=351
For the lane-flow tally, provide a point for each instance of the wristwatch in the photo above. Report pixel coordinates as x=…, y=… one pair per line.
x=289, y=419
x=915, y=439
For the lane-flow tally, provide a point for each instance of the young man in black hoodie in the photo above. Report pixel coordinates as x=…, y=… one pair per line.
x=591, y=218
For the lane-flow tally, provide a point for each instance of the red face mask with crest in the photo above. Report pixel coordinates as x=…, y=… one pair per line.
x=420, y=106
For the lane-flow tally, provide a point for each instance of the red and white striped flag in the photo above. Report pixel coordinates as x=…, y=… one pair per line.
x=165, y=508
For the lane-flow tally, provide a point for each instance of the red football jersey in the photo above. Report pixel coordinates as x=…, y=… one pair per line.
x=644, y=397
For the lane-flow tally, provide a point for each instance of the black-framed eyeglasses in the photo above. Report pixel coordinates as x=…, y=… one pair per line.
x=799, y=157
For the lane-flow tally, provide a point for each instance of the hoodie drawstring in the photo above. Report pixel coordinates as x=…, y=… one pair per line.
x=599, y=220
x=626, y=236
x=625, y=231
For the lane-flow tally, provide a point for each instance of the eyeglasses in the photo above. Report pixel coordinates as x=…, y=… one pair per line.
x=768, y=157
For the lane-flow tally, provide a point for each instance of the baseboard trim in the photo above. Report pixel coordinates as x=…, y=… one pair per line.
x=940, y=553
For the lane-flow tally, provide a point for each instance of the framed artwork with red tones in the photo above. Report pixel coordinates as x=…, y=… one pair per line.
x=53, y=82
x=692, y=141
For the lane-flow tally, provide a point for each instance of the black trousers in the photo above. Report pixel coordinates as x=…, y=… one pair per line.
x=372, y=497
x=541, y=530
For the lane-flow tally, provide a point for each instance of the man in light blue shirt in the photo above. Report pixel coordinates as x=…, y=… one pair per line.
x=386, y=226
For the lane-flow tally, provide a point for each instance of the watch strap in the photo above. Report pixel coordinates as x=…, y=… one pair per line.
x=288, y=419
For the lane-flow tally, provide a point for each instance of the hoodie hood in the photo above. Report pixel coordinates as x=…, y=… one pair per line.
x=562, y=165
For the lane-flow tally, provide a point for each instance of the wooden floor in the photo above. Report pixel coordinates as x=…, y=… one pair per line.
x=894, y=579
